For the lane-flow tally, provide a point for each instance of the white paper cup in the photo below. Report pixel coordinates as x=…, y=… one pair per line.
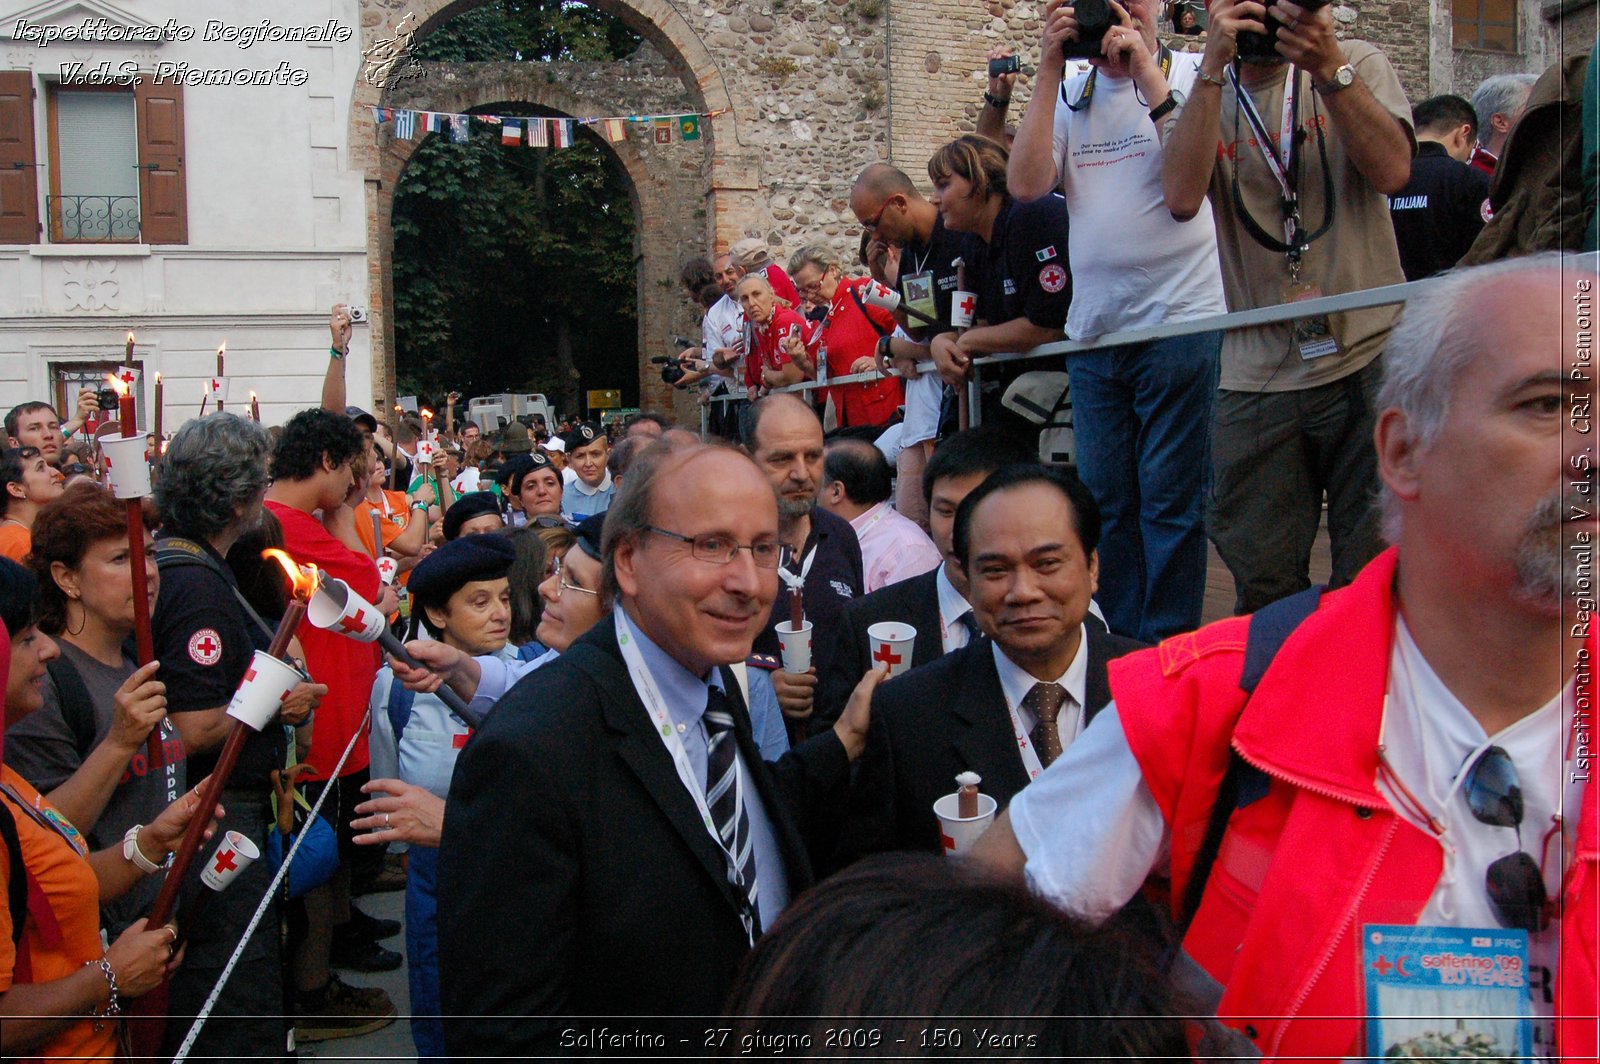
x=127, y=376
x=234, y=854
x=267, y=682
x=963, y=308
x=338, y=609
x=219, y=389
x=891, y=643
x=795, y=646
x=881, y=295
x=424, y=452
x=126, y=467
x=388, y=568
x=958, y=833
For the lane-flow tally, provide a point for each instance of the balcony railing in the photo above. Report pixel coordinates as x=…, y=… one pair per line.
x=96, y=219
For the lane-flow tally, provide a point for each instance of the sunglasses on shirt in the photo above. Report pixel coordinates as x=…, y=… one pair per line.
x=1515, y=883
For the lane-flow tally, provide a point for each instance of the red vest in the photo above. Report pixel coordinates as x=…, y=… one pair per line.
x=1302, y=869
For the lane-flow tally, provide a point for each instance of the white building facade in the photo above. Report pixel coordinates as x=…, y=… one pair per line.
x=181, y=171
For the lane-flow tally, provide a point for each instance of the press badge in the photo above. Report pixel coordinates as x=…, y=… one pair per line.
x=1446, y=992
x=918, y=292
x=1312, y=336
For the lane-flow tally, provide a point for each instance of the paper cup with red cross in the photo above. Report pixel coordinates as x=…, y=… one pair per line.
x=963, y=309
x=127, y=376
x=878, y=294
x=338, y=609
x=891, y=644
x=266, y=684
x=387, y=569
x=424, y=452
x=126, y=468
x=795, y=646
x=234, y=854
x=957, y=833
x=219, y=389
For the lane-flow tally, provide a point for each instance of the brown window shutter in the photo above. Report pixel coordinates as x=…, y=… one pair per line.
x=19, y=181
x=163, y=207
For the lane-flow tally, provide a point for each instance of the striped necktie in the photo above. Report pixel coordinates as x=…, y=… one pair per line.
x=725, y=798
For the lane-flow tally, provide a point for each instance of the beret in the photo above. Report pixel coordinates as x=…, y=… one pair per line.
x=583, y=435
x=458, y=563
x=588, y=533
x=512, y=467
x=534, y=463
x=465, y=509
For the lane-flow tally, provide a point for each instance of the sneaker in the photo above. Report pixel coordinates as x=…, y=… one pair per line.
x=339, y=1010
x=363, y=956
x=393, y=877
x=363, y=927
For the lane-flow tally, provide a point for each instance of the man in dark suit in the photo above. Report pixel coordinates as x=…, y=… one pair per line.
x=613, y=842
x=935, y=603
x=1005, y=705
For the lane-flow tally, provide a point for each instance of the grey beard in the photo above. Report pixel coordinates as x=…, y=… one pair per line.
x=1540, y=555
x=794, y=509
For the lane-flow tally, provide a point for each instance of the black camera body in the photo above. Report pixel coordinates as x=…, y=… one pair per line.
x=106, y=398
x=672, y=370
x=1009, y=64
x=1094, y=18
x=1262, y=47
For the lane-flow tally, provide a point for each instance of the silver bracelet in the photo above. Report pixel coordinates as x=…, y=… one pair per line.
x=113, y=1007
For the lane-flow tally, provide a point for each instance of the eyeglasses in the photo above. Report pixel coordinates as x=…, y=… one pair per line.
x=720, y=550
x=561, y=582
x=815, y=287
x=548, y=521
x=1516, y=881
x=877, y=219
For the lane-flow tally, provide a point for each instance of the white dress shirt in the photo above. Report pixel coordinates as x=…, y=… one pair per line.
x=1016, y=682
x=952, y=607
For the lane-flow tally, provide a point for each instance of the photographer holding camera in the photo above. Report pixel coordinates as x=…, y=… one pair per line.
x=1141, y=412
x=1298, y=147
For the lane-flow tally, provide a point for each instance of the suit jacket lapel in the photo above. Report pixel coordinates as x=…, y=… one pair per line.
x=925, y=618
x=1097, y=686
x=987, y=743
x=643, y=751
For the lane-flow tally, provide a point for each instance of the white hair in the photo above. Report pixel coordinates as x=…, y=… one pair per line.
x=1502, y=94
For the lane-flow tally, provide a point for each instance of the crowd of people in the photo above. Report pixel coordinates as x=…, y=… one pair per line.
x=666, y=757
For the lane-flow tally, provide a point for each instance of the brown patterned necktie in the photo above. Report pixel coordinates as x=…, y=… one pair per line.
x=1045, y=699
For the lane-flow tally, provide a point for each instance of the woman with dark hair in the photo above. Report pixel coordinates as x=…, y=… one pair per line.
x=63, y=989
x=85, y=746
x=27, y=482
x=527, y=572
x=930, y=953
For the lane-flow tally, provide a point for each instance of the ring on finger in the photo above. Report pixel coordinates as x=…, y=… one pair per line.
x=386, y=820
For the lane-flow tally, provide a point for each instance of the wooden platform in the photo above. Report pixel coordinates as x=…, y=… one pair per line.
x=1219, y=582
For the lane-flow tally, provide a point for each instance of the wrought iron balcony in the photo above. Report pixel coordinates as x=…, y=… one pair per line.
x=96, y=219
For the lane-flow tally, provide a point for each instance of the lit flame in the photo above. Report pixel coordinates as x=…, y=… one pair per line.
x=222, y=348
x=116, y=382
x=252, y=395
x=304, y=579
x=158, y=380
x=427, y=414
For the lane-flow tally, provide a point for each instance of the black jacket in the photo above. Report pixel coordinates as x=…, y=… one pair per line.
x=1439, y=213
x=575, y=875
x=935, y=722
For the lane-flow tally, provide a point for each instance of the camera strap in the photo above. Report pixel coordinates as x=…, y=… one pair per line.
x=1163, y=58
x=1285, y=164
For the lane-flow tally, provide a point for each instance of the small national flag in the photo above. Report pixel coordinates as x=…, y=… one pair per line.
x=378, y=115
x=459, y=129
x=563, y=137
x=663, y=131
x=689, y=126
x=615, y=129
x=435, y=123
x=511, y=133
x=538, y=133
x=405, y=125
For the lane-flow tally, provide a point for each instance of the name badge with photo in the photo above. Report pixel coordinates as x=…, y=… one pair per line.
x=1312, y=336
x=918, y=291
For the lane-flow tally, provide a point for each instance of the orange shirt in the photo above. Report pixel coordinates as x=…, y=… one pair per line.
x=393, y=516
x=74, y=895
x=15, y=541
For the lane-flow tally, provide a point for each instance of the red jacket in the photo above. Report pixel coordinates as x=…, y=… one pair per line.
x=1302, y=869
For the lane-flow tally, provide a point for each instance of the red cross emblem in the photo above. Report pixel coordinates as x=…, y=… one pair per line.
x=250, y=674
x=205, y=647
x=356, y=625
x=968, y=304
x=225, y=862
x=885, y=655
x=128, y=376
x=1053, y=278
x=216, y=385
x=1382, y=965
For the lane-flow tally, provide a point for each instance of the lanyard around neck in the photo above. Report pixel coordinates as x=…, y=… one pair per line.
x=1163, y=57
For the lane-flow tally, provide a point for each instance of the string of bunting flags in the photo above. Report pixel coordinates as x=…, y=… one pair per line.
x=538, y=132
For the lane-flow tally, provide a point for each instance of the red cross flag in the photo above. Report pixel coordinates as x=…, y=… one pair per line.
x=234, y=854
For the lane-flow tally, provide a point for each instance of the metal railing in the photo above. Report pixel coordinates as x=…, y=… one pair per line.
x=97, y=219
x=1240, y=319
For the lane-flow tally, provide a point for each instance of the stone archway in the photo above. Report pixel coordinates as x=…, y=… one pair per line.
x=727, y=183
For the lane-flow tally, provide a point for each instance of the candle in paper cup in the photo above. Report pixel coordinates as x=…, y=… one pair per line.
x=218, y=390
x=891, y=643
x=388, y=568
x=794, y=642
x=266, y=684
x=337, y=608
x=967, y=792
x=234, y=854
x=125, y=466
x=957, y=833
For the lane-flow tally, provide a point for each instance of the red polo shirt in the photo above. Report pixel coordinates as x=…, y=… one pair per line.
x=767, y=351
x=848, y=335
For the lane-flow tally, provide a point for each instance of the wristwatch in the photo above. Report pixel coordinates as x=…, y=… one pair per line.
x=133, y=855
x=1173, y=101
x=1342, y=78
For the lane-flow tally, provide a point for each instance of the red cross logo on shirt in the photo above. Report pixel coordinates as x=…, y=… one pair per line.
x=208, y=647
x=968, y=304
x=225, y=861
x=885, y=655
x=355, y=625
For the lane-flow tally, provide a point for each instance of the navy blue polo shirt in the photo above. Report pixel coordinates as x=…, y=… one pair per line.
x=1022, y=272
x=835, y=578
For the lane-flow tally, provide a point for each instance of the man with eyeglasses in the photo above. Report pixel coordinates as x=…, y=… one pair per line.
x=616, y=807
x=1411, y=750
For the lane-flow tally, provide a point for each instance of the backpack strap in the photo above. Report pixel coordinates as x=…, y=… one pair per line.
x=76, y=705
x=856, y=296
x=1243, y=783
x=17, y=880
x=176, y=551
x=401, y=699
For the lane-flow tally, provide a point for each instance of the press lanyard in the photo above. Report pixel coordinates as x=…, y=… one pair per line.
x=50, y=820
x=1030, y=756
x=1164, y=58
x=1285, y=168
x=650, y=694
